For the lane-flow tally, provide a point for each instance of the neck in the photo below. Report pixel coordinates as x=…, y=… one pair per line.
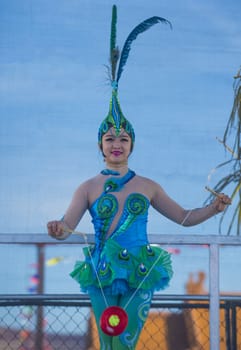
x=122, y=169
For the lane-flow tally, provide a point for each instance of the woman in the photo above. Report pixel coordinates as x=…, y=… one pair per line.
x=123, y=269
x=122, y=255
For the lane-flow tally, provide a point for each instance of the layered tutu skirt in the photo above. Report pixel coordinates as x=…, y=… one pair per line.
x=118, y=270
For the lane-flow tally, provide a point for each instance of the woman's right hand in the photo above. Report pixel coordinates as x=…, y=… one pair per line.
x=56, y=229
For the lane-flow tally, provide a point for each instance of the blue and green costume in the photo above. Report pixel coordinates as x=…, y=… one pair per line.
x=125, y=262
x=122, y=266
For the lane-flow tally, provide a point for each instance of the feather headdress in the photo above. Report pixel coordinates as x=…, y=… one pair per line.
x=115, y=117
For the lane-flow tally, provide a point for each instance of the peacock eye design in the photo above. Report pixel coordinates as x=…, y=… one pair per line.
x=137, y=204
x=149, y=250
x=142, y=270
x=105, y=127
x=104, y=269
x=110, y=185
x=107, y=206
x=124, y=255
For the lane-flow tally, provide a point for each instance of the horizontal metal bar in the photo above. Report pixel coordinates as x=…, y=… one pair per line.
x=87, y=303
x=43, y=238
x=180, y=302
x=156, y=297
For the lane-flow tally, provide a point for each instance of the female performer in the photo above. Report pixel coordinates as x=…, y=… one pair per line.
x=123, y=269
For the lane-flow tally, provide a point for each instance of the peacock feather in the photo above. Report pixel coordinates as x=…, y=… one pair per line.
x=114, y=51
x=113, y=28
x=115, y=117
x=140, y=28
x=115, y=54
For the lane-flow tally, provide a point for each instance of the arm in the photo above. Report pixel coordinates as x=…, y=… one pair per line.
x=74, y=213
x=172, y=210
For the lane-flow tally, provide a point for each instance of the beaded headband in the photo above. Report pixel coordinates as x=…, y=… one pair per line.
x=115, y=117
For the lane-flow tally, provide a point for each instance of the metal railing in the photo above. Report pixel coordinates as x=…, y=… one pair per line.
x=213, y=242
x=174, y=323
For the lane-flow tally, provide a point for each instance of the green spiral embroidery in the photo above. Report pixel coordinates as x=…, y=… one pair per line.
x=107, y=206
x=137, y=204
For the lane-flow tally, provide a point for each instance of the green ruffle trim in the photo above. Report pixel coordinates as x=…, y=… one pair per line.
x=151, y=268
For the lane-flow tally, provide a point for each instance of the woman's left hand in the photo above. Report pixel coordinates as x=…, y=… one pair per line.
x=221, y=201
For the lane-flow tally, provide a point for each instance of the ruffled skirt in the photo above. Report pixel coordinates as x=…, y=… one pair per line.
x=118, y=270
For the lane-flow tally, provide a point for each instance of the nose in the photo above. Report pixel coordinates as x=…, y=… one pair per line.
x=116, y=143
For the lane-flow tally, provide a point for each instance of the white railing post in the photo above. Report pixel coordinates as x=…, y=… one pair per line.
x=214, y=325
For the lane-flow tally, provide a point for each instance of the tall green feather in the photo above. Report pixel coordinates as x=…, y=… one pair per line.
x=114, y=51
x=113, y=28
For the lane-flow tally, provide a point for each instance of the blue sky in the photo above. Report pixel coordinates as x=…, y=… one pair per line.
x=176, y=89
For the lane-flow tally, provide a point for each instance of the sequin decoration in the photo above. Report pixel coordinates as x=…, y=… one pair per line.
x=149, y=250
x=142, y=270
x=104, y=269
x=110, y=186
x=124, y=255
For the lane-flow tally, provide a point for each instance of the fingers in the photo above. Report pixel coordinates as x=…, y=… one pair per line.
x=221, y=201
x=55, y=228
x=224, y=199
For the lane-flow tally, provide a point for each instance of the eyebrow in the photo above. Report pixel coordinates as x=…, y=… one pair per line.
x=114, y=136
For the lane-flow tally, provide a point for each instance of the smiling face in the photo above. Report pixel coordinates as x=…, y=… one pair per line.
x=116, y=149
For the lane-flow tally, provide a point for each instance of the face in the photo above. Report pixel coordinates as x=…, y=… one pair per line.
x=116, y=149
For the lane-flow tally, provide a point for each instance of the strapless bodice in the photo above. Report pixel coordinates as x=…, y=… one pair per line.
x=131, y=227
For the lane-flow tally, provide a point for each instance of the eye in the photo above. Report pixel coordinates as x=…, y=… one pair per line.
x=124, y=139
x=109, y=139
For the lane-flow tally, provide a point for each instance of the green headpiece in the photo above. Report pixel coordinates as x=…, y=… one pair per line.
x=115, y=117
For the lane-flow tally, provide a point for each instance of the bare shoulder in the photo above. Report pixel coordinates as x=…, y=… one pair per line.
x=145, y=180
x=148, y=185
x=89, y=183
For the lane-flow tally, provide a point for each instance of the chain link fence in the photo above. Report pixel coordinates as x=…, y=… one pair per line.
x=62, y=323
